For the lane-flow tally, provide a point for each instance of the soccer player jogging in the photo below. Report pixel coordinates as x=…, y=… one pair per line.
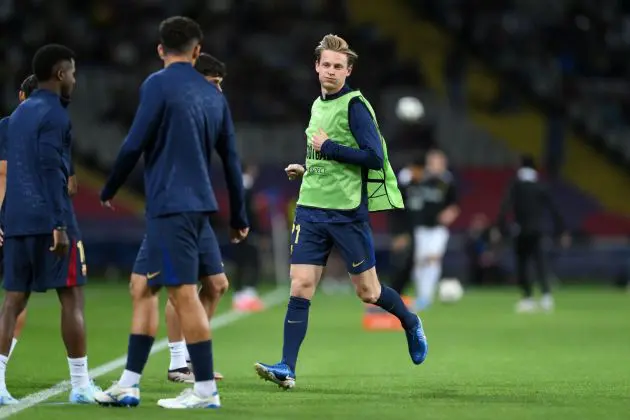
x=432, y=205
x=347, y=175
x=26, y=88
x=37, y=205
x=181, y=118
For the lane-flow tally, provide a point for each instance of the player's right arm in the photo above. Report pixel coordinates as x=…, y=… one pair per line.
x=451, y=210
x=52, y=134
x=226, y=148
x=142, y=131
x=295, y=171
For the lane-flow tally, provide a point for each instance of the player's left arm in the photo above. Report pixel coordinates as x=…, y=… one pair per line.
x=370, y=151
x=50, y=158
x=142, y=131
x=226, y=148
x=452, y=210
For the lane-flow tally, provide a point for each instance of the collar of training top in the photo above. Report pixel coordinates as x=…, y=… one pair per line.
x=345, y=89
x=44, y=92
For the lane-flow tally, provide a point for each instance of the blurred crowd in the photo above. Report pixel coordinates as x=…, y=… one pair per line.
x=267, y=44
x=571, y=55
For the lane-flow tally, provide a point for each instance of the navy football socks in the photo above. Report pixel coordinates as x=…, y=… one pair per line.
x=295, y=324
x=138, y=352
x=393, y=303
x=201, y=359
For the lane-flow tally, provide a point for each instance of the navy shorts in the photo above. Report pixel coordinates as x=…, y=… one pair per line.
x=178, y=249
x=311, y=243
x=29, y=266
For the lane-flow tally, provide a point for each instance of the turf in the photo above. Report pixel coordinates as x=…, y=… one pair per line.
x=484, y=361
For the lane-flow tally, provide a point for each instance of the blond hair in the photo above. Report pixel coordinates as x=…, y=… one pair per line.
x=337, y=44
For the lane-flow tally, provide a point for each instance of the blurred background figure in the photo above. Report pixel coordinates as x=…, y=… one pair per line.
x=247, y=267
x=484, y=254
x=433, y=205
x=402, y=228
x=529, y=200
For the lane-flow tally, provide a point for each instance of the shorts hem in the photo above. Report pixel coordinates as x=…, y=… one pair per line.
x=361, y=270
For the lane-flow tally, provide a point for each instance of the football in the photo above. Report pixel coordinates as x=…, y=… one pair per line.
x=450, y=290
x=409, y=109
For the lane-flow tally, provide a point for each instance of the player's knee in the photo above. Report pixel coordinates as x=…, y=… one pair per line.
x=71, y=298
x=435, y=259
x=14, y=303
x=430, y=260
x=138, y=288
x=367, y=293
x=169, y=310
x=22, y=316
x=183, y=296
x=217, y=285
x=302, y=286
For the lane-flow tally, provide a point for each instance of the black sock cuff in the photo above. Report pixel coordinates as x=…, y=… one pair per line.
x=143, y=339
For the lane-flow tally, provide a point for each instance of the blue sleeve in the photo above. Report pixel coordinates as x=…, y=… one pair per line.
x=142, y=131
x=370, y=151
x=51, y=163
x=226, y=148
x=71, y=168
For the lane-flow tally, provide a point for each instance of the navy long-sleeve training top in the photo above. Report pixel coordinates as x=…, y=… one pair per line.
x=181, y=118
x=38, y=143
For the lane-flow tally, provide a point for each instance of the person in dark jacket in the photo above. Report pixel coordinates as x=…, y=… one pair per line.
x=529, y=199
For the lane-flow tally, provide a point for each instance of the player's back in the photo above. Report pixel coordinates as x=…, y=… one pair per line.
x=27, y=202
x=177, y=175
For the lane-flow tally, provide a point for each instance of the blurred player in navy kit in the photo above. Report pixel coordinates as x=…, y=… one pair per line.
x=181, y=118
x=247, y=253
x=37, y=204
x=26, y=88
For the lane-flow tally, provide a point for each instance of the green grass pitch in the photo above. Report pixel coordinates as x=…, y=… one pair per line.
x=484, y=361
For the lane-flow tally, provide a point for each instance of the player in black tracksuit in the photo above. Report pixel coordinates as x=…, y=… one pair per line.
x=529, y=199
x=430, y=207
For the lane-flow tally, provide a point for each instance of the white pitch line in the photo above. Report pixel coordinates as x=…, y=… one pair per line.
x=271, y=299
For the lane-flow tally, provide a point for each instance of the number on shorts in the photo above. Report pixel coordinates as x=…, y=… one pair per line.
x=296, y=230
x=82, y=257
